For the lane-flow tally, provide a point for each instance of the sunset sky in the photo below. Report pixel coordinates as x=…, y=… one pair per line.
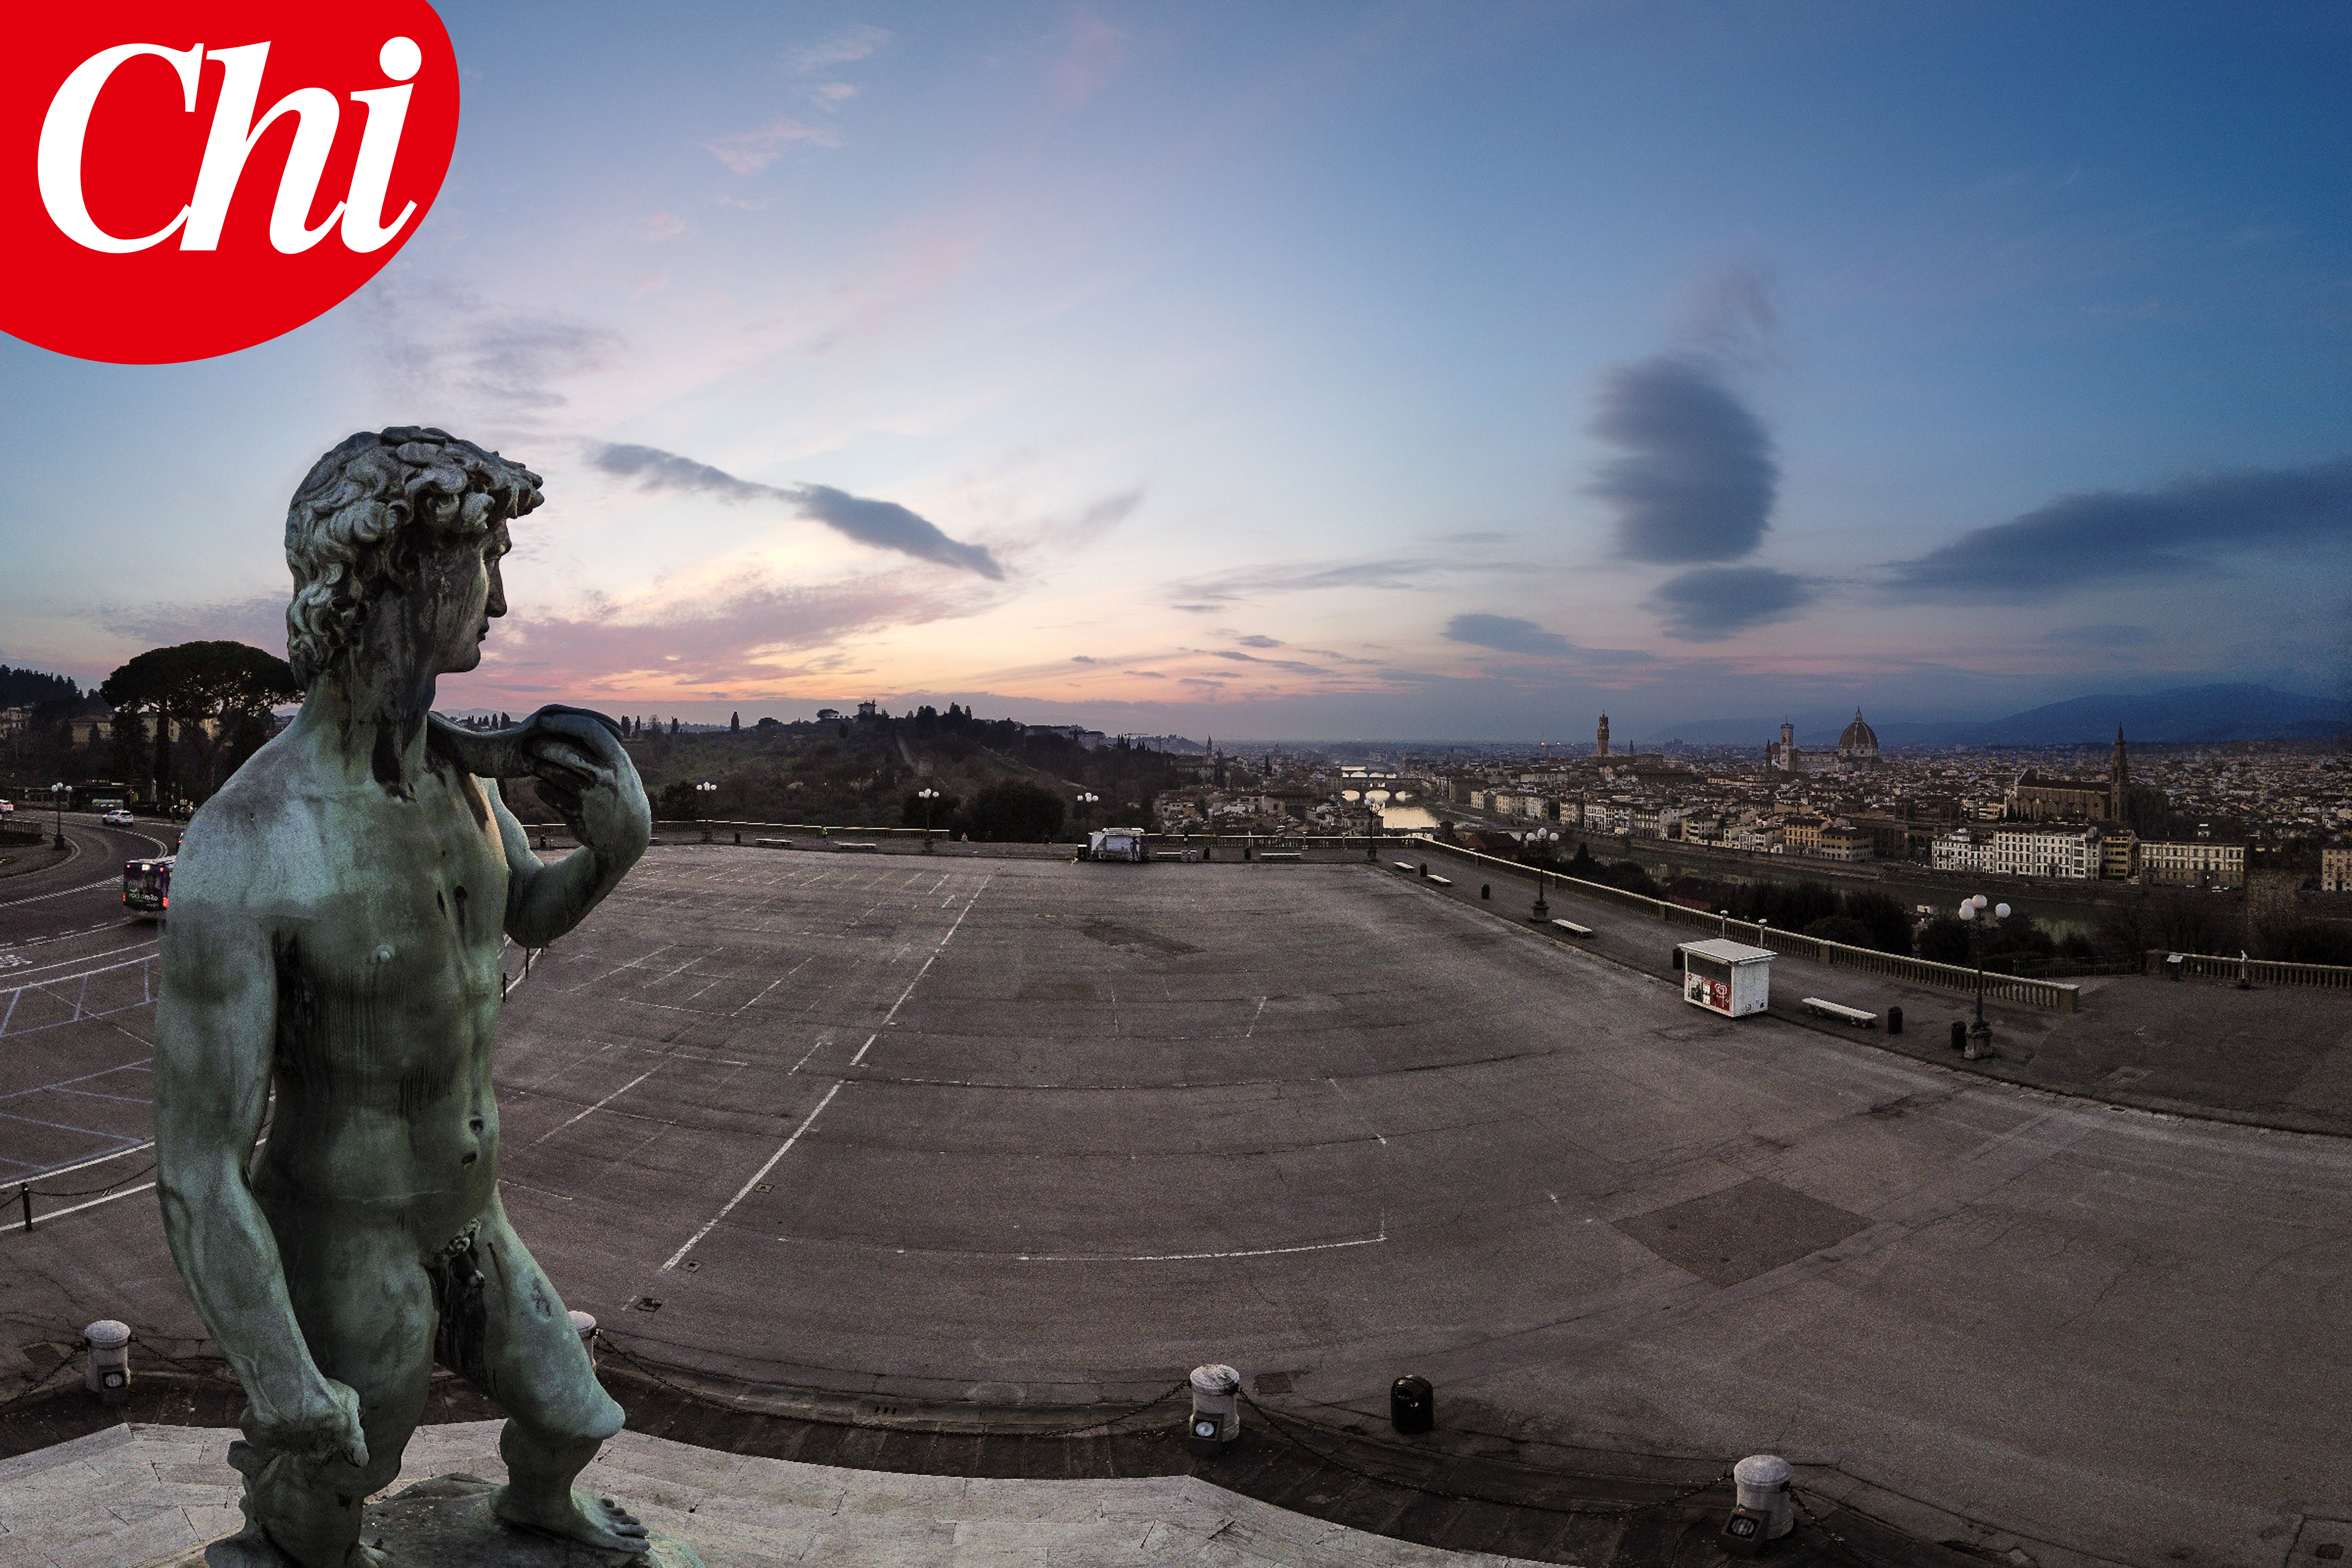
x=1315, y=370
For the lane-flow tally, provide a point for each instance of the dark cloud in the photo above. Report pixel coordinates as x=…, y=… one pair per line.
x=1510, y=634
x=1506, y=633
x=2084, y=540
x=1082, y=658
x=1696, y=478
x=1259, y=642
x=1714, y=601
x=885, y=525
x=1294, y=666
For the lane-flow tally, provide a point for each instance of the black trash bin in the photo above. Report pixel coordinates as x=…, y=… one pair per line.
x=1959, y=1035
x=1676, y=961
x=1895, y=1020
x=1412, y=1404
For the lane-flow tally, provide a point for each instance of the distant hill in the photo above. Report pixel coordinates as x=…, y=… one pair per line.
x=2186, y=715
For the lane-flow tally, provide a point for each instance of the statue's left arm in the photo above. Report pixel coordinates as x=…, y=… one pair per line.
x=583, y=772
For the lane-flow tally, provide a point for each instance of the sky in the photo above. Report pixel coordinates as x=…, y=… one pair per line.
x=1422, y=371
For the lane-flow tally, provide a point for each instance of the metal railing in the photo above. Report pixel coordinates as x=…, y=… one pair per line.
x=2053, y=995
x=2264, y=971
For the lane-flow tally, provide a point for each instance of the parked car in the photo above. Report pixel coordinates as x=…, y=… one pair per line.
x=118, y=817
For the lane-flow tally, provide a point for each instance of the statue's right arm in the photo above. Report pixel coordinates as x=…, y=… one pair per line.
x=215, y=1024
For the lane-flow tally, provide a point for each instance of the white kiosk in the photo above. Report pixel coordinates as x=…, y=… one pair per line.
x=1727, y=977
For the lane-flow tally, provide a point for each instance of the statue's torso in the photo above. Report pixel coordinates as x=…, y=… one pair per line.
x=389, y=972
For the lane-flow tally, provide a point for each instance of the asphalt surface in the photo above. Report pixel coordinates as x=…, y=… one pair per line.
x=77, y=986
x=1027, y=1134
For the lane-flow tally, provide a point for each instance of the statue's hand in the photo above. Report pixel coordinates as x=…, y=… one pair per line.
x=318, y=1424
x=583, y=771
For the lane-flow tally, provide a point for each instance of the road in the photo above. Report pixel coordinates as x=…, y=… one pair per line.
x=1030, y=1133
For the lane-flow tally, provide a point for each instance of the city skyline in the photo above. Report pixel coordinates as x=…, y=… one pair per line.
x=1284, y=373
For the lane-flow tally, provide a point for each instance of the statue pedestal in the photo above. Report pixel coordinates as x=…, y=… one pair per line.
x=446, y=1522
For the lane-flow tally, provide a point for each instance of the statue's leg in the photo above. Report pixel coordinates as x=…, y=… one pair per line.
x=366, y=1312
x=528, y=1358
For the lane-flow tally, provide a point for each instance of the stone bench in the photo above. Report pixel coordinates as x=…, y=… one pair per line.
x=1573, y=928
x=1842, y=1013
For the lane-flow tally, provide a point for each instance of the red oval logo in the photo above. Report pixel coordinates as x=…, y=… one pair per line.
x=183, y=181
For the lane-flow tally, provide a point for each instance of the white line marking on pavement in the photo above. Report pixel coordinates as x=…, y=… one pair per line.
x=757, y=1177
x=863, y=1049
x=600, y=1105
x=887, y=1018
x=62, y=892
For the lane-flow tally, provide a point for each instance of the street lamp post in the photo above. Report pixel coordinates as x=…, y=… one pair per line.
x=927, y=794
x=705, y=790
x=1543, y=837
x=1972, y=914
x=58, y=799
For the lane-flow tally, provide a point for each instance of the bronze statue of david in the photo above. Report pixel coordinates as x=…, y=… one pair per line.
x=338, y=913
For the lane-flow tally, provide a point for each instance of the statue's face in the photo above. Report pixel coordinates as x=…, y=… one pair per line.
x=460, y=593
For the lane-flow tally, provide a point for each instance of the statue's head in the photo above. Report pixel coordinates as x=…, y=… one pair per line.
x=406, y=512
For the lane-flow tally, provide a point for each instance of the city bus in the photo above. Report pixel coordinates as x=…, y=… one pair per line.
x=147, y=887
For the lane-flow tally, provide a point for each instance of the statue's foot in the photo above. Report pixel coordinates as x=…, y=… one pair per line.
x=598, y=1524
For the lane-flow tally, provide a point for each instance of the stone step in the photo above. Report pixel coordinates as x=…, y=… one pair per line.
x=149, y=1497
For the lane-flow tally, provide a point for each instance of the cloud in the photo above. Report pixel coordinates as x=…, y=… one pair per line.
x=1506, y=634
x=885, y=525
x=1510, y=634
x=749, y=152
x=735, y=640
x=458, y=360
x=1731, y=317
x=1712, y=603
x=1250, y=581
x=1083, y=658
x=2103, y=536
x=1295, y=666
x=845, y=47
x=1259, y=642
x=1696, y=478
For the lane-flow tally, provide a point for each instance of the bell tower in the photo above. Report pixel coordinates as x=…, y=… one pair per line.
x=1601, y=749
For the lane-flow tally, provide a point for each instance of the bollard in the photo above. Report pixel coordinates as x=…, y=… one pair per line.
x=1412, y=1404
x=1895, y=1020
x=1979, y=1041
x=25, y=1196
x=584, y=1325
x=1763, y=1512
x=739, y=838
x=1959, y=1035
x=1675, y=959
x=1425, y=867
x=1485, y=889
x=1245, y=851
x=1216, y=1410
x=108, y=1372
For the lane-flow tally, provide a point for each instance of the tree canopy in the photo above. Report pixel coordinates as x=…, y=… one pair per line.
x=195, y=681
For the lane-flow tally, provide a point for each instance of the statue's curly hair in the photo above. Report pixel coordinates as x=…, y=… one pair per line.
x=365, y=514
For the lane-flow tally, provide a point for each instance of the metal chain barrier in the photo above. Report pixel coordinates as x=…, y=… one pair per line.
x=86, y=1191
x=1282, y=1426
